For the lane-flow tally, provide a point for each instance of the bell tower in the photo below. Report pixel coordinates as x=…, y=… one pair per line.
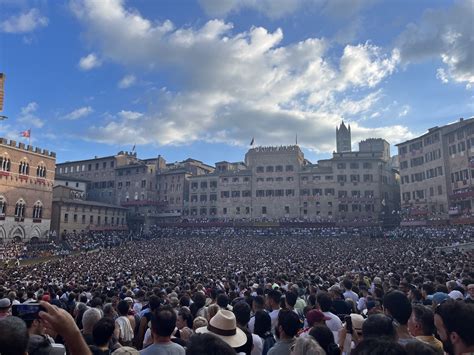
x=343, y=138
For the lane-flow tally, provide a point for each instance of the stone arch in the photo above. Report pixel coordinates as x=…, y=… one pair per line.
x=17, y=234
x=35, y=233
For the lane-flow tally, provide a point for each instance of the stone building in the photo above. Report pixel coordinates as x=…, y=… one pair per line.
x=224, y=193
x=437, y=175
x=275, y=181
x=26, y=191
x=73, y=182
x=73, y=214
x=100, y=172
x=278, y=183
x=173, y=185
x=352, y=186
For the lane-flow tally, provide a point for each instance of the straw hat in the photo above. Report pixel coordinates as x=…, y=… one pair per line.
x=224, y=326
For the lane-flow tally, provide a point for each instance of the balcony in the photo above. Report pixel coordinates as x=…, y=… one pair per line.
x=462, y=195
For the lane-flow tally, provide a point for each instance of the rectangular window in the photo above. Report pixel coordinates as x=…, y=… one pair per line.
x=341, y=178
x=264, y=210
x=289, y=168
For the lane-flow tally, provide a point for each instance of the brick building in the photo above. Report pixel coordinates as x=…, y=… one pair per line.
x=26, y=191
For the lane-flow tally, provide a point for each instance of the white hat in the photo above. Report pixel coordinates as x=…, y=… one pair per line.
x=456, y=295
x=224, y=326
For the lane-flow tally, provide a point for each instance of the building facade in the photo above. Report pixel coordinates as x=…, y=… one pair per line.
x=100, y=172
x=73, y=214
x=278, y=183
x=273, y=183
x=26, y=191
x=437, y=176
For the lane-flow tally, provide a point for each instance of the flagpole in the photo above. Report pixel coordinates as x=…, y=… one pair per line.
x=29, y=137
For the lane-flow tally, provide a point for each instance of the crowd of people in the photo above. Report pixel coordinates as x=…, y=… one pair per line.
x=256, y=291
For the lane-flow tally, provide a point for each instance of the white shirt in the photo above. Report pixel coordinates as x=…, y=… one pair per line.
x=274, y=317
x=352, y=295
x=251, y=324
x=334, y=324
x=257, y=345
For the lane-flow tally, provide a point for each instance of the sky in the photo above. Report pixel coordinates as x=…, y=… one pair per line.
x=201, y=78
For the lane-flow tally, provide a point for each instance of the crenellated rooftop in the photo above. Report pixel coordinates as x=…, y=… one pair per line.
x=26, y=147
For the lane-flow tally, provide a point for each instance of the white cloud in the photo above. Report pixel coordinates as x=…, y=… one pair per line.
x=270, y=8
x=130, y=115
x=279, y=8
x=79, y=113
x=404, y=111
x=30, y=108
x=127, y=81
x=89, y=62
x=236, y=85
x=445, y=33
x=24, y=22
x=28, y=116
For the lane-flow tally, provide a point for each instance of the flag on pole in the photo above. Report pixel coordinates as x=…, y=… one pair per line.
x=133, y=149
x=296, y=138
x=26, y=134
x=252, y=141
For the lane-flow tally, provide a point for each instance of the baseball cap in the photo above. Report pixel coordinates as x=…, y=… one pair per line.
x=315, y=315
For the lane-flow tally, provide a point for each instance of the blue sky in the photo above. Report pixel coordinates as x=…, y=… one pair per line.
x=201, y=78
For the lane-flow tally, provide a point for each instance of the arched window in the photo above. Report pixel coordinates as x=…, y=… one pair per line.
x=24, y=168
x=20, y=208
x=3, y=206
x=41, y=171
x=38, y=210
x=5, y=163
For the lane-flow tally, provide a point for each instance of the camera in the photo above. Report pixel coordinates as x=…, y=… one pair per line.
x=27, y=311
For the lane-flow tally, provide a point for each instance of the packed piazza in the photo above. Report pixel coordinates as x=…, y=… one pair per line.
x=360, y=253
x=242, y=290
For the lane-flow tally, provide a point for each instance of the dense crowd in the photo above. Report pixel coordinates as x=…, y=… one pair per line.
x=249, y=290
